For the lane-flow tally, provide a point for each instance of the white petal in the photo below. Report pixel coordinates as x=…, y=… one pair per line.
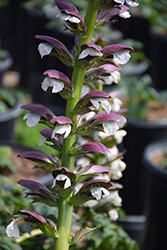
x=110, y=127
x=113, y=214
x=99, y=192
x=32, y=119
x=63, y=17
x=112, y=154
x=114, y=198
x=85, y=90
x=119, y=1
x=91, y=203
x=63, y=177
x=132, y=3
x=116, y=104
x=12, y=229
x=119, y=135
x=44, y=49
x=89, y=51
x=74, y=19
x=125, y=15
x=42, y=141
x=121, y=57
x=57, y=86
x=105, y=104
x=64, y=129
x=46, y=84
x=83, y=161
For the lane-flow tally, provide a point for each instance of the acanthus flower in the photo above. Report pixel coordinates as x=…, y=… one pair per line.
x=67, y=12
x=116, y=53
x=89, y=54
x=132, y=3
x=88, y=147
x=91, y=190
x=38, y=192
x=55, y=48
x=59, y=82
x=105, y=74
x=62, y=126
x=105, y=16
x=45, y=162
x=108, y=123
x=63, y=181
x=95, y=99
x=37, y=220
x=56, y=141
x=37, y=112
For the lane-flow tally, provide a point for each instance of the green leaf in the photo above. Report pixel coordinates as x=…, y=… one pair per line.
x=80, y=233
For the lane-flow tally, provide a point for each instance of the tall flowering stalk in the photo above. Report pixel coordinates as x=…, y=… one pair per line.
x=87, y=136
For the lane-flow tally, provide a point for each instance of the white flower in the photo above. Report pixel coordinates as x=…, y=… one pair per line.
x=99, y=192
x=125, y=15
x=65, y=17
x=119, y=1
x=85, y=90
x=116, y=168
x=12, y=229
x=110, y=127
x=55, y=83
x=113, y=214
x=62, y=177
x=121, y=57
x=116, y=104
x=132, y=3
x=119, y=135
x=64, y=129
x=77, y=187
x=104, y=103
x=44, y=49
x=103, y=177
x=83, y=161
x=108, y=80
x=112, y=154
x=32, y=119
x=91, y=203
x=114, y=198
x=89, y=52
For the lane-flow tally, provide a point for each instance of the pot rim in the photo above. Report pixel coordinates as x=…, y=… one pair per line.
x=6, y=64
x=147, y=124
x=155, y=148
x=12, y=113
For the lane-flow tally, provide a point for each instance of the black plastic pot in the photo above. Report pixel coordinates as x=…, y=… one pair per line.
x=158, y=54
x=134, y=226
x=139, y=135
x=7, y=122
x=135, y=27
x=156, y=202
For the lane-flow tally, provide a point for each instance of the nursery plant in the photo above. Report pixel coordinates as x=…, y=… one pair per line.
x=140, y=98
x=86, y=173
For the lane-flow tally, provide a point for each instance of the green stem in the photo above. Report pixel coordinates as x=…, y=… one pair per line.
x=65, y=209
